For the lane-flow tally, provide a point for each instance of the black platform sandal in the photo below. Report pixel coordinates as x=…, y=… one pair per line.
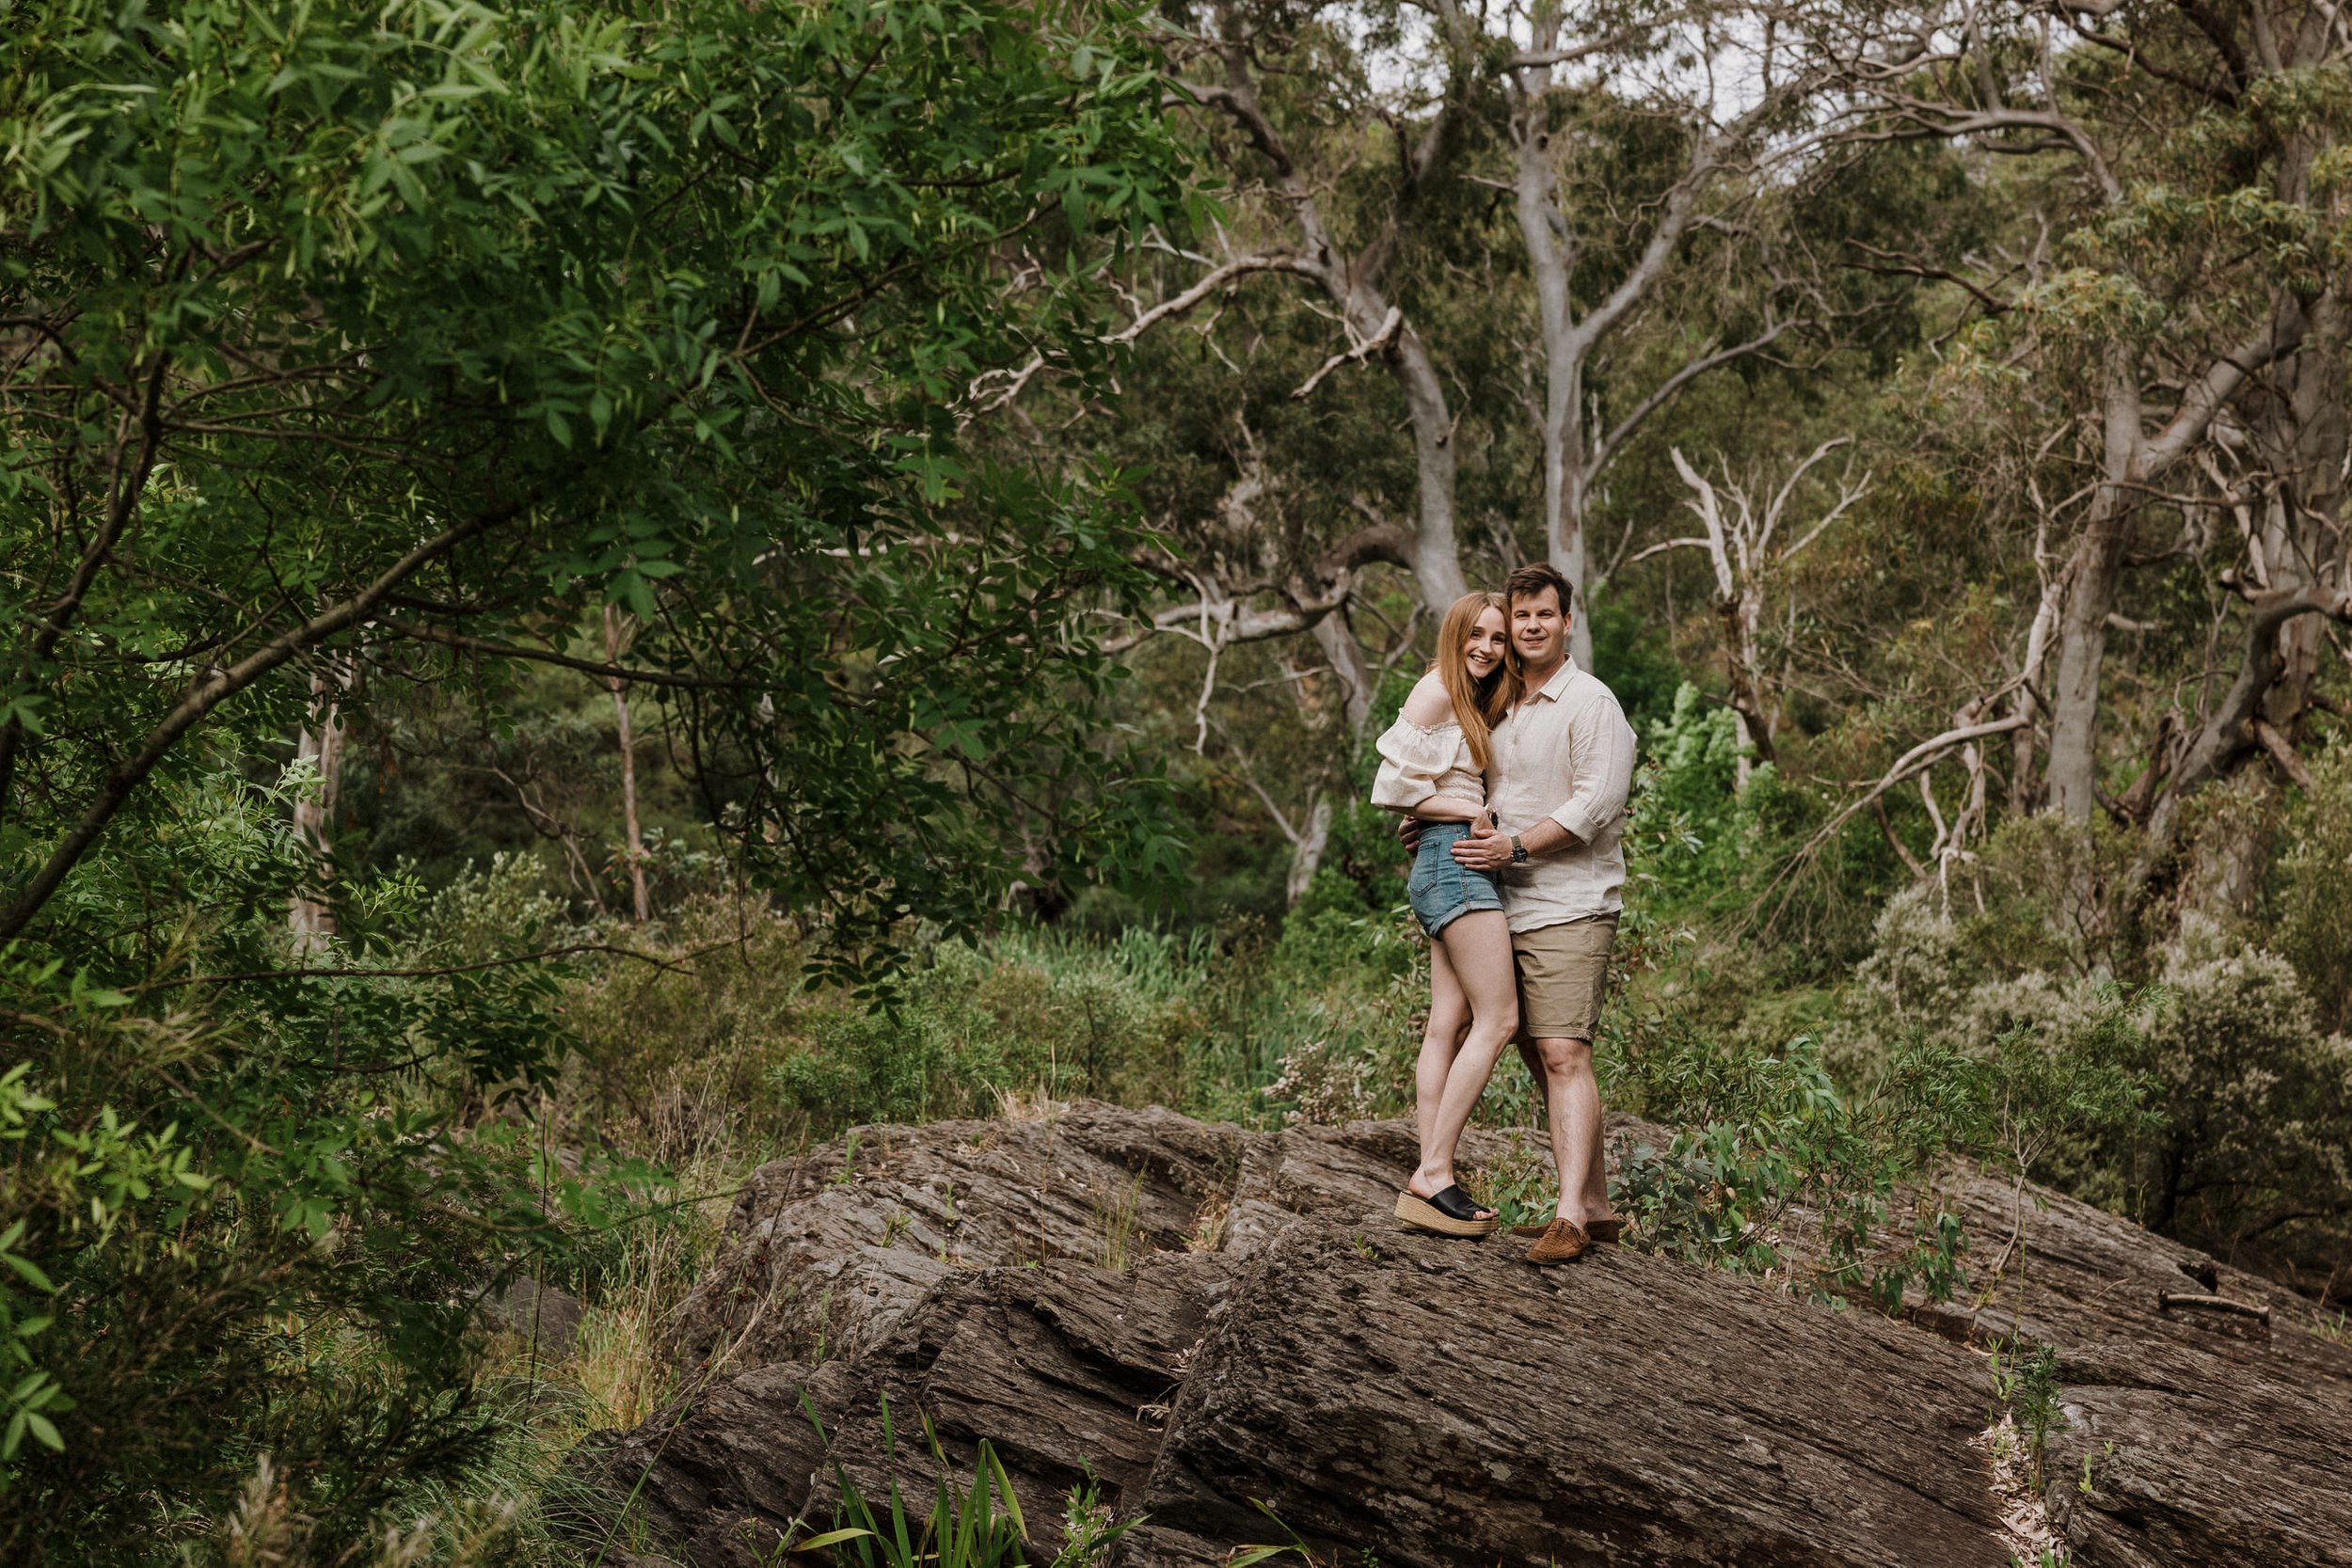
x=1451, y=1212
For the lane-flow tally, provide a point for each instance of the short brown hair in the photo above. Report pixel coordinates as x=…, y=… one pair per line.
x=1534, y=578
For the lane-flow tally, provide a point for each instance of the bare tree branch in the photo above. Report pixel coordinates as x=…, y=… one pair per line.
x=1370, y=346
x=1210, y=283
x=1673, y=387
x=421, y=633
x=218, y=688
x=1926, y=755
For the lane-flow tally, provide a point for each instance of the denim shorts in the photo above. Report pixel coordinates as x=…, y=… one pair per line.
x=1441, y=889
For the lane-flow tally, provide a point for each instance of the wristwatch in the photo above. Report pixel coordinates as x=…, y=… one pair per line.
x=1519, y=852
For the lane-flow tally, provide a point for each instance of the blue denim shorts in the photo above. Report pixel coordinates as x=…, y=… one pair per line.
x=1441, y=889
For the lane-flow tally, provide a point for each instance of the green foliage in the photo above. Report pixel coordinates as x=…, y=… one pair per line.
x=2025, y=1384
x=731, y=1046
x=1770, y=1172
x=475, y=274
x=1337, y=1009
x=1636, y=661
x=253, y=1212
x=974, y=1527
x=1688, y=823
x=2206, y=1102
x=1702, y=850
x=2258, y=1105
x=2314, y=931
x=356, y=351
x=361, y=356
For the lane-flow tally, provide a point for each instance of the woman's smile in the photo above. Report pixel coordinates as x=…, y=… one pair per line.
x=1483, y=650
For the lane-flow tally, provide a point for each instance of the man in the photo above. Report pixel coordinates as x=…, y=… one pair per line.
x=1563, y=763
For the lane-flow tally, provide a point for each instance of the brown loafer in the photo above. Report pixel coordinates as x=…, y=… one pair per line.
x=1607, y=1232
x=1560, y=1242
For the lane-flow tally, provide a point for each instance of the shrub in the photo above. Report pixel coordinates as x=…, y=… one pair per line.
x=672, y=1054
x=2257, y=1142
x=2206, y=1102
x=251, y=1218
x=2314, y=930
x=1772, y=1172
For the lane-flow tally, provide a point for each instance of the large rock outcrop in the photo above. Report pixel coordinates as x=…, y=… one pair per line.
x=1225, y=1328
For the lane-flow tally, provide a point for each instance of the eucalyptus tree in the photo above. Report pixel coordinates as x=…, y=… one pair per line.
x=1362, y=140
x=1465, y=259
x=1746, y=549
x=2182, y=307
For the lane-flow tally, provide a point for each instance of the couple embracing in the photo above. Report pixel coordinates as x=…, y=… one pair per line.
x=1510, y=767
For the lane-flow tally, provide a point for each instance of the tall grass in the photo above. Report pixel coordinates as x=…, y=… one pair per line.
x=731, y=1051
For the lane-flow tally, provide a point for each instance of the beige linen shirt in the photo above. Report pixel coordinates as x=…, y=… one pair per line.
x=1565, y=753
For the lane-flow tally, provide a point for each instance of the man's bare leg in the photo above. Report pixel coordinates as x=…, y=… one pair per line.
x=1572, y=1107
x=1597, y=1203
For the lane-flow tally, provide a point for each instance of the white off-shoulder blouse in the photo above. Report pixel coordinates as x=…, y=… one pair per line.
x=1417, y=762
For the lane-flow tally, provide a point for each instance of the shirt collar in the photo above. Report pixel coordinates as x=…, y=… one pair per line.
x=1557, y=687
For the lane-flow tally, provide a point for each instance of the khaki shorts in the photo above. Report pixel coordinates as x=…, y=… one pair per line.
x=1564, y=973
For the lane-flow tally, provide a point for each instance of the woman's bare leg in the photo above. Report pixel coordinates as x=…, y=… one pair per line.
x=1448, y=1018
x=1477, y=948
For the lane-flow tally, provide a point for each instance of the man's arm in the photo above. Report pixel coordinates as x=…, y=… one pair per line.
x=1489, y=849
x=1602, y=743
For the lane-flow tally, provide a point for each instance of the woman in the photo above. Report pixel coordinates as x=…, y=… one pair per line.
x=1433, y=764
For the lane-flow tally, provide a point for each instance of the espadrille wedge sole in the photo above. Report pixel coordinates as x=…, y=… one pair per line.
x=1431, y=1213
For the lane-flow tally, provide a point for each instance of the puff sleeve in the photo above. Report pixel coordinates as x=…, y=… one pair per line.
x=1412, y=760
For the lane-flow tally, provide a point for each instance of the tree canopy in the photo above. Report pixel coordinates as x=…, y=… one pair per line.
x=368, y=347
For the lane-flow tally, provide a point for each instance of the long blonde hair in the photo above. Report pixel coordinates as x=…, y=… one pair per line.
x=1478, y=705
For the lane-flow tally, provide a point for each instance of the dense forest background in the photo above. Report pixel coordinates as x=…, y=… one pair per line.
x=595, y=592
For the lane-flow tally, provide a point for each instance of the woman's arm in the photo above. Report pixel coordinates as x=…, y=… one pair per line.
x=1449, y=808
x=1413, y=756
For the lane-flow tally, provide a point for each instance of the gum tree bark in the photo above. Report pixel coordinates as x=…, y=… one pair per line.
x=1354, y=282
x=619, y=631
x=1575, y=449
x=321, y=744
x=1987, y=100
x=2088, y=597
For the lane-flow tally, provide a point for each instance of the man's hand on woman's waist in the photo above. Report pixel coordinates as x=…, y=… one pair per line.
x=1488, y=848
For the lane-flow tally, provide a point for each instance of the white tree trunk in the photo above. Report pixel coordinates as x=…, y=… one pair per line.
x=1307, y=850
x=618, y=634
x=1549, y=259
x=319, y=742
x=2091, y=577
x=1337, y=640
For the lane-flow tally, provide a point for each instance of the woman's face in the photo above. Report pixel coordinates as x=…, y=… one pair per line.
x=1488, y=638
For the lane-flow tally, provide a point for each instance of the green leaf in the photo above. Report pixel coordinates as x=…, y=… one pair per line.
x=833, y=1538
x=29, y=1271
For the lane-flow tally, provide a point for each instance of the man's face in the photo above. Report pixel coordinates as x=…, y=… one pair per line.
x=1539, y=627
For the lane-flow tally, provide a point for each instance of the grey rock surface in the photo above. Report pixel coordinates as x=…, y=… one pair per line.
x=531, y=1310
x=1215, y=1323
